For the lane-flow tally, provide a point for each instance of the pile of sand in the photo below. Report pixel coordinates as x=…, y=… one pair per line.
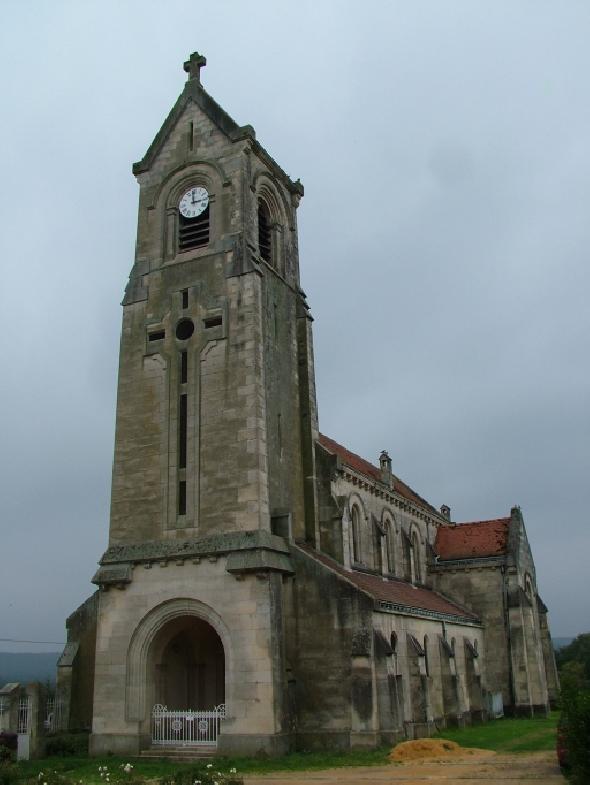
x=432, y=749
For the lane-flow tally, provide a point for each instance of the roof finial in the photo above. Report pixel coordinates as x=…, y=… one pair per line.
x=193, y=66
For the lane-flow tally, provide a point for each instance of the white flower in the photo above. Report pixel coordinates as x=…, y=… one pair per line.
x=233, y=771
x=209, y=765
x=127, y=768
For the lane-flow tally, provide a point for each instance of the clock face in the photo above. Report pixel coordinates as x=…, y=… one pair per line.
x=194, y=202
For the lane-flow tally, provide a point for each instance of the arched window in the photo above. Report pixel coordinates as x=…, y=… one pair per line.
x=377, y=552
x=416, y=572
x=356, y=535
x=389, y=548
x=393, y=642
x=264, y=231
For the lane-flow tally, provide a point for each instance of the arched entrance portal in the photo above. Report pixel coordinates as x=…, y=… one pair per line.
x=188, y=665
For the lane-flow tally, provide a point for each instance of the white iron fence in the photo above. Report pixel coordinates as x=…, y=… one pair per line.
x=186, y=728
x=54, y=715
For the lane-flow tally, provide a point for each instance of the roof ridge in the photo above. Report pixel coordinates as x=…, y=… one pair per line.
x=375, y=473
x=505, y=519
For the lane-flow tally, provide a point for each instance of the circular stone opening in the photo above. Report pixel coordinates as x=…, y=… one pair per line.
x=184, y=329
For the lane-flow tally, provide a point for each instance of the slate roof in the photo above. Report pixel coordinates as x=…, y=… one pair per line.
x=476, y=539
x=395, y=591
x=373, y=472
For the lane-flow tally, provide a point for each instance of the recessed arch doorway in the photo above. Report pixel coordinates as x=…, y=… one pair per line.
x=187, y=664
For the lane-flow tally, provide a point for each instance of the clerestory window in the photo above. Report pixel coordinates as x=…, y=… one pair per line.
x=264, y=231
x=356, y=535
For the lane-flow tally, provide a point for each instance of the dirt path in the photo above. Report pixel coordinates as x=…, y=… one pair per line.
x=521, y=769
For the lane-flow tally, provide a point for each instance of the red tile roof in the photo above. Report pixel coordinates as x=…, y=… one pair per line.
x=476, y=539
x=364, y=467
x=395, y=591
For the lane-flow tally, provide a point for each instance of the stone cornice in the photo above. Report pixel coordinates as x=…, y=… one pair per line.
x=164, y=550
x=384, y=606
x=462, y=564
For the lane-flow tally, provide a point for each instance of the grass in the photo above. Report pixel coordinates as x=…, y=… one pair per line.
x=86, y=769
x=507, y=735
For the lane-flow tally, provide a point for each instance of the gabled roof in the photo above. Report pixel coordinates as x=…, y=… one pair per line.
x=194, y=91
x=476, y=539
x=397, y=592
x=362, y=466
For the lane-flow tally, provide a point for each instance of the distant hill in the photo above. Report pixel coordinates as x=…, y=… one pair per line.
x=559, y=643
x=27, y=666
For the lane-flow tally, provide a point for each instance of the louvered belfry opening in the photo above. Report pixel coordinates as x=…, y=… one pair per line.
x=193, y=232
x=264, y=232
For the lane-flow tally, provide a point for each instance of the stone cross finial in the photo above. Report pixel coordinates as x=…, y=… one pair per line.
x=193, y=66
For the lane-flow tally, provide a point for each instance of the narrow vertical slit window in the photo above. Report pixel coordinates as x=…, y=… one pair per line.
x=182, y=431
x=183, y=368
x=184, y=299
x=182, y=497
x=279, y=434
x=190, y=135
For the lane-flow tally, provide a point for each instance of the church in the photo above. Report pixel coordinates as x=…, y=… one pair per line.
x=265, y=589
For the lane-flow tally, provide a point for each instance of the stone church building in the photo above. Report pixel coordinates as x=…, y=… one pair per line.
x=264, y=588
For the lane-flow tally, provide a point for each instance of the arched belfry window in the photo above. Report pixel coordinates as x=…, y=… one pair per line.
x=193, y=218
x=356, y=535
x=264, y=231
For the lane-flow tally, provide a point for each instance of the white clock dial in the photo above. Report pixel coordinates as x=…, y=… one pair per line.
x=194, y=202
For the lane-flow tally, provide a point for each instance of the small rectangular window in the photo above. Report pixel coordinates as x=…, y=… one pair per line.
x=213, y=321
x=184, y=299
x=182, y=497
x=158, y=335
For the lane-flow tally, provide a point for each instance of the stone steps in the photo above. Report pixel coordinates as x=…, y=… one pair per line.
x=182, y=754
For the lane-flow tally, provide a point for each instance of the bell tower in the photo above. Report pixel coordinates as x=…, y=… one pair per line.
x=216, y=413
x=213, y=473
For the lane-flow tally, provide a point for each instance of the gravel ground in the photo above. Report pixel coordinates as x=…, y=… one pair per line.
x=531, y=767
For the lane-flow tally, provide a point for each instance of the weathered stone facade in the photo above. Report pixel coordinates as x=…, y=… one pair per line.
x=253, y=562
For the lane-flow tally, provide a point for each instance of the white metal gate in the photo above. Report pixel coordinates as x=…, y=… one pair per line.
x=186, y=728
x=24, y=710
x=23, y=728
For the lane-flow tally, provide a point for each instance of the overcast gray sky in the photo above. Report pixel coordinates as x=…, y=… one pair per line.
x=444, y=147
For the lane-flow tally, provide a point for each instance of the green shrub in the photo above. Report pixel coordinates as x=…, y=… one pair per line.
x=576, y=724
x=8, y=773
x=67, y=745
